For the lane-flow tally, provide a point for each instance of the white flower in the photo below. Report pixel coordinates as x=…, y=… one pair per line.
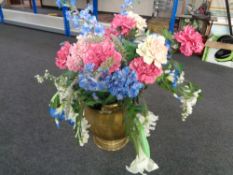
x=39, y=78
x=153, y=50
x=181, y=78
x=188, y=104
x=140, y=22
x=70, y=114
x=149, y=122
x=172, y=76
x=142, y=163
x=84, y=132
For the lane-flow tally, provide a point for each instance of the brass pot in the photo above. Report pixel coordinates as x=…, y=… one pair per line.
x=107, y=127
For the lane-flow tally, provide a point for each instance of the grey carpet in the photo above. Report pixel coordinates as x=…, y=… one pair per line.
x=30, y=144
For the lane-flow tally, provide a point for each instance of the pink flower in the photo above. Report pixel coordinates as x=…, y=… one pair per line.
x=62, y=54
x=122, y=25
x=191, y=41
x=77, y=54
x=146, y=73
x=103, y=54
x=109, y=32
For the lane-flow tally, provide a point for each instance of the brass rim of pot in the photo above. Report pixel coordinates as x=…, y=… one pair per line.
x=110, y=108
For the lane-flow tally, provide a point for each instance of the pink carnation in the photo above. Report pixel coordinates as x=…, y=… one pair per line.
x=100, y=53
x=77, y=54
x=109, y=32
x=191, y=41
x=122, y=25
x=146, y=73
x=62, y=54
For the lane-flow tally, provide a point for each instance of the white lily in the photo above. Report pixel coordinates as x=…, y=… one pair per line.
x=142, y=163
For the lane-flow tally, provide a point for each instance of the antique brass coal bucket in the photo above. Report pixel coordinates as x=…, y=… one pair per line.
x=107, y=127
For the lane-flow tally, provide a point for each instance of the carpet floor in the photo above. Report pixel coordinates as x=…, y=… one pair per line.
x=30, y=144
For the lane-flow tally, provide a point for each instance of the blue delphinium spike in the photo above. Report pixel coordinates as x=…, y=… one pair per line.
x=71, y=122
x=57, y=116
x=126, y=5
x=99, y=30
x=57, y=123
x=73, y=2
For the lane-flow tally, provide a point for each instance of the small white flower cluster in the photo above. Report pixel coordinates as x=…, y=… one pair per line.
x=63, y=91
x=148, y=121
x=40, y=79
x=188, y=104
x=46, y=76
x=84, y=132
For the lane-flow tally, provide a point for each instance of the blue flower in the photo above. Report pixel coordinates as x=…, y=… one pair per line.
x=121, y=84
x=71, y=122
x=91, y=80
x=124, y=83
x=85, y=29
x=95, y=97
x=73, y=2
x=176, y=78
x=85, y=22
x=57, y=116
x=99, y=30
x=61, y=3
x=126, y=5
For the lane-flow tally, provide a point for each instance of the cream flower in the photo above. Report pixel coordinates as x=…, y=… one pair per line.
x=153, y=50
x=142, y=163
x=149, y=122
x=85, y=133
x=140, y=22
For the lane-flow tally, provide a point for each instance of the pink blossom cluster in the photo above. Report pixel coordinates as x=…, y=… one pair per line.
x=100, y=53
x=77, y=54
x=146, y=73
x=62, y=55
x=121, y=25
x=74, y=57
x=191, y=41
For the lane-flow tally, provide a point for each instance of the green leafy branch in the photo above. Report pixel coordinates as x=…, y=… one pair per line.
x=134, y=128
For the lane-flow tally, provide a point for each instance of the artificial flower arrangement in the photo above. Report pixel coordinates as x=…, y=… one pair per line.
x=114, y=65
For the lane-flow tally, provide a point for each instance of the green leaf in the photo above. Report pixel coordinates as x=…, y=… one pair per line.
x=55, y=101
x=134, y=129
x=168, y=35
x=130, y=50
x=144, y=142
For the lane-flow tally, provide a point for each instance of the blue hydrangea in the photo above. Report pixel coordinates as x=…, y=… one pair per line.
x=121, y=84
x=91, y=80
x=124, y=83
